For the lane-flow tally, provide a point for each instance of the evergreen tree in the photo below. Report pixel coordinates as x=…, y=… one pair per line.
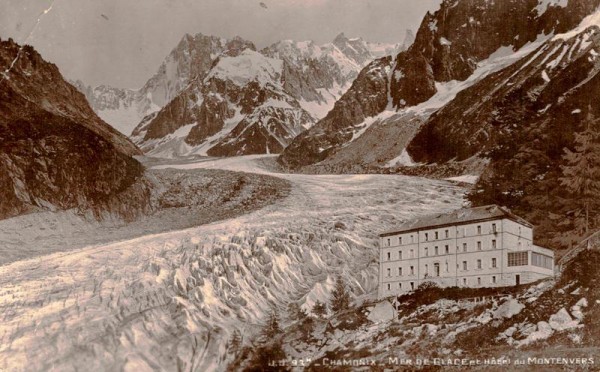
x=235, y=341
x=340, y=298
x=308, y=326
x=581, y=174
x=319, y=309
x=272, y=328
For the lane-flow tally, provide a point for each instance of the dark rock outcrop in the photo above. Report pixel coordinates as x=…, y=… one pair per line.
x=55, y=153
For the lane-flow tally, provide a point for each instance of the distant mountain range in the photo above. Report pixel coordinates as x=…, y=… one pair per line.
x=221, y=97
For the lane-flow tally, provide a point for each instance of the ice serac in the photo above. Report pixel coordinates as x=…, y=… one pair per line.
x=257, y=102
x=448, y=47
x=55, y=153
x=192, y=57
x=521, y=119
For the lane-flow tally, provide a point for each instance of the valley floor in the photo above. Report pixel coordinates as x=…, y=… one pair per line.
x=171, y=300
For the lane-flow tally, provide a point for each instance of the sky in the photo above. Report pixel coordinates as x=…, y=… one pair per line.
x=123, y=42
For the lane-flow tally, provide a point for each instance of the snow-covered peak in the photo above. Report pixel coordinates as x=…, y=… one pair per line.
x=247, y=67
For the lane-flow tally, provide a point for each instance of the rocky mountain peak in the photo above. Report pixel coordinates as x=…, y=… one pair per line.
x=55, y=153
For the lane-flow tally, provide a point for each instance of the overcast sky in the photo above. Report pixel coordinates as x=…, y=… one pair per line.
x=122, y=42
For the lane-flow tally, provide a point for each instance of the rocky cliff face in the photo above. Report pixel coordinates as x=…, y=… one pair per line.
x=192, y=57
x=55, y=153
x=448, y=47
x=257, y=102
x=367, y=97
x=522, y=118
x=239, y=108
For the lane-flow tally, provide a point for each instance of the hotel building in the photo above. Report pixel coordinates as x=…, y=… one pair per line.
x=478, y=247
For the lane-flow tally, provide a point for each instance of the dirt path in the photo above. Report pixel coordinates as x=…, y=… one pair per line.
x=171, y=301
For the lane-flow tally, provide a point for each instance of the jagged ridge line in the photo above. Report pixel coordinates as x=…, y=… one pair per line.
x=12, y=65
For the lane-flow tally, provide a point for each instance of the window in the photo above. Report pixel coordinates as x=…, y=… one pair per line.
x=389, y=272
x=436, y=236
x=426, y=237
x=494, y=244
x=465, y=267
x=389, y=287
x=412, y=239
x=400, y=285
x=494, y=279
x=519, y=230
x=541, y=260
x=412, y=285
x=494, y=265
x=447, y=249
x=479, y=230
x=520, y=245
x=412, y=270
x=464, y=247
x=478, y=246
x=400, y=240
x=479, y=264
x=426, y=269
x=436, y=251
x=517, y=259
x=399, y=271
x=478, y=281
x=464, y=281
x=436, y=269
x=399, y=255
x=412, y=253
x=389, y=242
x=494, y=228
x=447, y=234
x=426, y=252
x=389, y=256
x=447, y=267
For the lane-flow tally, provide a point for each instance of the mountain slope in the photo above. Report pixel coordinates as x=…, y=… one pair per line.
x=239, y=108
x=55, y=153
x=193, y=56
x=448, y=47
x=256, y=103
x=522, y=119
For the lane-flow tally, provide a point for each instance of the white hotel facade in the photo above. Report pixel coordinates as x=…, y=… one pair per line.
x=478, y=247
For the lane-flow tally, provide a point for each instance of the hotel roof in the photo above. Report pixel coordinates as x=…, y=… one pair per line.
x=458, y=217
